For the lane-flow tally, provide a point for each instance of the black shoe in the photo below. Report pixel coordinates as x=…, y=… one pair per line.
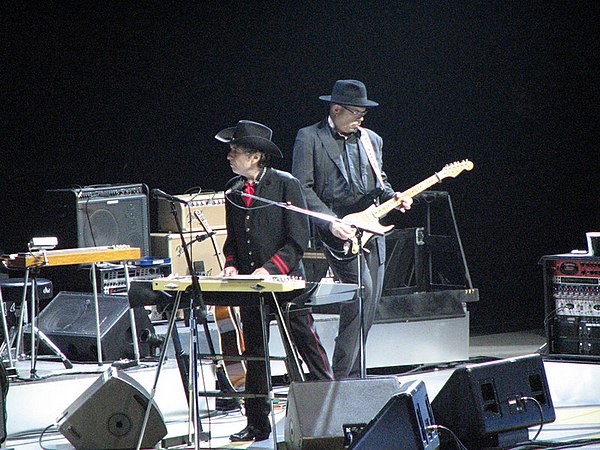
x=250, y=433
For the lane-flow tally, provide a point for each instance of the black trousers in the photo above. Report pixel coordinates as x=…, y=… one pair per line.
x=307, y=342
x=346, y=355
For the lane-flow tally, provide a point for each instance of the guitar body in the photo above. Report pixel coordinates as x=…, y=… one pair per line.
x=232, y=344
x=366, y=219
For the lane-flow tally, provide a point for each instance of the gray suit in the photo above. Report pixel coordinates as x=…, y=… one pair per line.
x=319, y=165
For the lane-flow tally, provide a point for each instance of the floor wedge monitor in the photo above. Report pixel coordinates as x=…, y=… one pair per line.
x=324, y=414
x=110, y=415
x=492, y=404
x=404, y=422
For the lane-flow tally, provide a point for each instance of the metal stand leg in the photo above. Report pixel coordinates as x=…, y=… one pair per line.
x=36, y=334
x=161, y=359
x=7, y=339
x=292, y=361
x=97, y=314
x=22, y=315
x=33, y=323
x=265, y=334
x=361, y=309
x=134, y=334
x=193, y=366
x=52, y=346
x=460, y=246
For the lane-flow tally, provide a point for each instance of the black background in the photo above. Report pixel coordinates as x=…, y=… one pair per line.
x=102, y=92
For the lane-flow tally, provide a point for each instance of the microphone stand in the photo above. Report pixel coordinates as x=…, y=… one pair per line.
x=197, y=308
x=189, y=376
x=359, y=231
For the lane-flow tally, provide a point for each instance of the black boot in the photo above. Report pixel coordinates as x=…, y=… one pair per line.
x=251, y=433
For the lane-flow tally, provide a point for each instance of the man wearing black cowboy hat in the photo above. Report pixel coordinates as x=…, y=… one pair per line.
x=339, y=164
x=265, y=240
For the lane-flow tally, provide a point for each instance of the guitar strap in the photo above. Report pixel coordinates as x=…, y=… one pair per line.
x=370, y=151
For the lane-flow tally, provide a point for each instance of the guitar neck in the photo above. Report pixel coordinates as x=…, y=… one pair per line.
x=209, y=230
x=381, y=210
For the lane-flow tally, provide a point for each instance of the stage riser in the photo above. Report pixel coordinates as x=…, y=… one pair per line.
x=394, y=344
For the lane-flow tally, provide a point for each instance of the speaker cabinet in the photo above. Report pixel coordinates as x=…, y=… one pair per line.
x=99, y=215
x=204, y=257
x=210, y=205
x=401, y=423
x=320, y=414
x=492, y=404
x=110, y=415
x=69, y=321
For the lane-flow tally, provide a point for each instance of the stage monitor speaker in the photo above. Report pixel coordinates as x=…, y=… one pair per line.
x=492, y=404
x=69, y=321
x=321, y=415
x=110, y=414
x=402, y=423
x=95, y=216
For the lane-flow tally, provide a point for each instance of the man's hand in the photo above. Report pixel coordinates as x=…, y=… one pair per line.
x=261, y=272
x=229, y=272
x=406, y=202
x=342, y=230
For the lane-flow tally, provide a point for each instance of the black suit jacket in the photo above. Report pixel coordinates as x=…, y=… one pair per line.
x=318, y=164
x=269, y=236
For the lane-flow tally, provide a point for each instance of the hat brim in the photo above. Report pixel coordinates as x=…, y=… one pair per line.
x=359, y=102
x=257, y=142
x=225, y=135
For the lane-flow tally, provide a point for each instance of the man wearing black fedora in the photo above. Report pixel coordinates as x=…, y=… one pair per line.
x=339, y=164
x=265, y=240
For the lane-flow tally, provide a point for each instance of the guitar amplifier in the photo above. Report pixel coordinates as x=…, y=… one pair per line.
x=202, y=251
x=210, y=204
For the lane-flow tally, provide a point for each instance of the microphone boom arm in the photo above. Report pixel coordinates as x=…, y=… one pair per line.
x=308, y=212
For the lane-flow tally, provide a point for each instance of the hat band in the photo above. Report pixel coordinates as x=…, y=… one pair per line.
x=349, y=100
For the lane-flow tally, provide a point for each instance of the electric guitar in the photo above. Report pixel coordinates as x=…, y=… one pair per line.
x=369, y=218
x=228, y=323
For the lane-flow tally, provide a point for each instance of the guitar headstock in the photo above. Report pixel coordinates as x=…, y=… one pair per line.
x=203, y=221
x=455, y=168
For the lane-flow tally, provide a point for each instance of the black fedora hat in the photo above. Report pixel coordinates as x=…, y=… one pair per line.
x=250, y=134
x=349, y=92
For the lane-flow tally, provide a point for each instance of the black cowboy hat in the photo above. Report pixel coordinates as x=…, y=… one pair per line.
x=250, y=134
x=349, y=92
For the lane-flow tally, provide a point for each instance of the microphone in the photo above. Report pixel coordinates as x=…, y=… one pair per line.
x=235, y=187
x=201, y=237
x=160, y=195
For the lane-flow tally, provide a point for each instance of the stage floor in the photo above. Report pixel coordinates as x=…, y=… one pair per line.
x=33, y=406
